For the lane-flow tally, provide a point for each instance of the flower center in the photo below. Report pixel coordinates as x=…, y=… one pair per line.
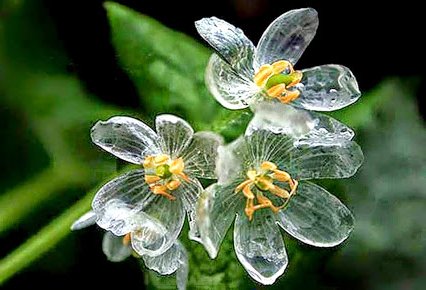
x=163, y=174
x=279, y=80
x=262, y=181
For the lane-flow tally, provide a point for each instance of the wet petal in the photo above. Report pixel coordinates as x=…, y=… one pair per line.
x=86, y=220
x=230, y=44
x=287, y=36
x=189, y=192
x=327, y=88
x=158, y=226
x=175, y=134
x=118, y=200
x=316, y=217
x=114, y=248
x=259, y=246
x=231, y=90
x=200, y=156
x=230, y=164
x=216, y=210
x=307, y=161
x=306, y=127
x=126, y=138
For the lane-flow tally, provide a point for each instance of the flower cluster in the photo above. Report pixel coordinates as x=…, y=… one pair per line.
x=262, y=176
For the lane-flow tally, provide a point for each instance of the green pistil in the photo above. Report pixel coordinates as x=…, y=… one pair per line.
x=163, y=171
x=280, y=79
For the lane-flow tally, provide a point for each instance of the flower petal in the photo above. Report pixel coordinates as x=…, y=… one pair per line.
x=114, y=249
x=230, y=44
x=126, y=138
x=189, y=192
x=327, y=88
x=230, y=89
x=231, y=160
x=259, y=246
x=200, y=156
x=216, y=210
x=287, y=36
x=306, y=127
x=173, y=260
x=175, y=134
x=118, y=200
x=305, y=160
x=316, y=217
x=86, y=220
x=158, y=226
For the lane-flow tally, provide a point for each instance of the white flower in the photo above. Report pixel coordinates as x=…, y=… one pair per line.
x=149, y=203
x=117, y=249
x=262, y=181
x=240, y=74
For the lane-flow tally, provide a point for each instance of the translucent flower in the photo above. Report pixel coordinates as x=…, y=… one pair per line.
x=149, y=202
x=118, y=248
x=262, y=182
x=240, y=74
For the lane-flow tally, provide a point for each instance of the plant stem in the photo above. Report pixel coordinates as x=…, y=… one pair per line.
x=43, y=241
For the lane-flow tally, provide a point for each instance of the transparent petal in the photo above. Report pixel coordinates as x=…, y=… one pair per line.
x=175, y=134
x=126, y=138
x=259, y=246
x=230, y=161
x=189, y=192
x=306, y=127
x=173, y=260
x=114, y=249
x=158, y=226
x=230, y=89
x=287, y=37
x=341, y=160
x=316, y=217
x=86, y=220
x=327, y=88
x=230, y=44
x=305, y=160
x=200, y=156
x=118, y=200
x=216, y=210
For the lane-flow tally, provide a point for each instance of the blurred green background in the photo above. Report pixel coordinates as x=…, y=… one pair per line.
x=66, y=64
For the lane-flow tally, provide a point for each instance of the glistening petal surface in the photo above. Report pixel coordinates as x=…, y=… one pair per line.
x=259, y=246
x=327, y=88
x=316, y=217
x=287, y=37
x=175, y=134
x=127, y=138
x=230, y=44
x=86, y=220
x=230, y=89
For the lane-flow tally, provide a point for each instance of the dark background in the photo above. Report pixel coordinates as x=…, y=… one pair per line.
x=374, y=42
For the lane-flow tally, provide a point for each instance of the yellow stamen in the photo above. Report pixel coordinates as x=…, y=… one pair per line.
x=263, y=74
x=289, y=96
x=297, y=75
x=172, y=185
x=262, y=181
x=127, y=239
x=148, y=162
x=277, y=91
x=161, y=159
x=151, y=179
x=280, y=66
x=162, y=190
x=177, y=166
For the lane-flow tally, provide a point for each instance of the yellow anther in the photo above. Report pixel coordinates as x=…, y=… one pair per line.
x=172, y=185
x=151, y=179
x=277, y=91
x=262, y=181
x=263, y=74
x=251, y=174
x=280, y=66
x=161, y=159
x=162, y=190
x=281, y=176
x=289, y=96
x=149, y=162
x=177, y=166
x=127, y=239
x=266, y=165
